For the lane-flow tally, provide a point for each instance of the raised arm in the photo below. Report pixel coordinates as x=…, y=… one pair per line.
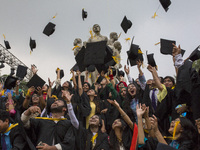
x=74, y=79
x=155, y=77
x=41, y=99
x=50, y=87
x=72, y=115
x=80, y=86
x=28, y=97
x=127, y=71
x=17, y=88
x=140, y=112
x=123, y=114
x=154, y=124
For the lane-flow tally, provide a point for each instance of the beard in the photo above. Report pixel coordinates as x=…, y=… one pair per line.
x=58, y=109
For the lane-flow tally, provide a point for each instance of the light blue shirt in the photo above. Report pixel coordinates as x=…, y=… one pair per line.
x=7, y=139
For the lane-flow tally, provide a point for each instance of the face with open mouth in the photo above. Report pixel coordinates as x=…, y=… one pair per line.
x=132, y=90
x=94, y=120
x=91, y=92
x=35, y=98
x=172, y=126
x=116, y=124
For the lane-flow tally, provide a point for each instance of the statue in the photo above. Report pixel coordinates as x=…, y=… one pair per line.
x=116, y=53
x=113, y=38
x=97, y=36
x=77, y=46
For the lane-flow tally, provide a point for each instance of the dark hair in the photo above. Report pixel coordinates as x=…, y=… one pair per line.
x=126, y=134
x=128, y=100
x=171, y=78
x=161, y=79
x=97, y=103
x=87, y=84
x=100, y=121
x=189, y=132
x=4, y=115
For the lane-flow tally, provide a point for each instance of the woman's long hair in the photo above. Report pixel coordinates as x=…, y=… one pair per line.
x=126, y=137
x=97, y=103
x=189, y=132
x=128, y=100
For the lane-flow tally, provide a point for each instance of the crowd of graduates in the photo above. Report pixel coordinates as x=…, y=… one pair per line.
x=112, y=113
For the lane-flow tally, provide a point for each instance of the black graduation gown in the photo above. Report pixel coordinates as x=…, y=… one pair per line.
x=101, y=141
x=48, y=131
x=19, y=139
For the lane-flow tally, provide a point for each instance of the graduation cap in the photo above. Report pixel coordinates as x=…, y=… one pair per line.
x=195, y=54
x=75, y=67
x=95, y=53
x=91, y=68
x=12, y=71
x=80, y=59
x=82, y=80
x=108, y=61
x=35, y=81
x=151, y=60
x=126, y=24
x=32, y=44
x=183, y=78
x=134, y=54
x=61, y=73
x=10, y=82
x=166, y=47
x=84, y=14
x=165, y=4
x=108, y=54
x=49, y=29
x=99, y=79
x=21, y=71
x=7, y=44
x=162, y=146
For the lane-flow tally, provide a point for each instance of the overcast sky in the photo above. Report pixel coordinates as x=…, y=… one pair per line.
x=22, y=19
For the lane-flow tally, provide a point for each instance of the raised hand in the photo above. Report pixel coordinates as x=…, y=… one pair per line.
x=146, y=114
x=139, y=63
x=127, y=71
x=50, y=83
x=39, y=91
x=67, y=96
x=176, y=50
x=151, y=69
x=154, y=123
x=115, y=103
x=140, y=112
x=33, y=110
x=34, y=69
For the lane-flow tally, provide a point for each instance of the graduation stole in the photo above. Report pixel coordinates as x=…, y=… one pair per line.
x=134, y=138
x=93, y=139
x=11, y=126
x=174, y=132
x=53, y=119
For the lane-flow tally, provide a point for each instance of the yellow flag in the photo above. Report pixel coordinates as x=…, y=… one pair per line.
x=55, y=16
x=91, y=33
x=119, y=35
x=4, y=36
x=139, y=51
x=154, y=16
x=127, y=39
x=157, y=43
